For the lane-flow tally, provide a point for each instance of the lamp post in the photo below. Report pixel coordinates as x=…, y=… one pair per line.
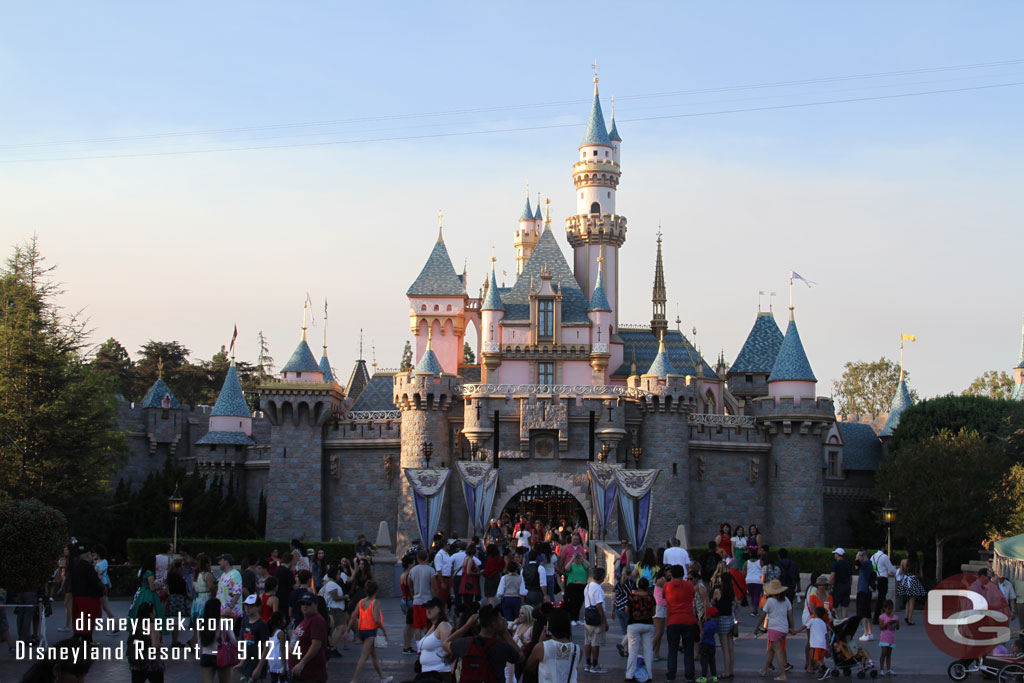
x=428, y=450
x=605, y=449
x=888, y=518
x=637, y=452
x=175, y=503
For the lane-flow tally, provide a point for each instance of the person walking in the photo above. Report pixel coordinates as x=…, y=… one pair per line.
x=511, y=591
x=908, y=583
x=148, y=589
x=576, y=572
x=884, y=571
x=204, y=588
x=640, y=611
x=493, y=566
x=423, y=582
x=841, y=580
x=723, y=597
x=660, y=609
x=753, y=569
x=623, y=589
x=681, y=623
x=308, y=658
x=739, y=545
x=229, y=589
x=557, y=659
x=143, y=648
x=595, y=621
x=432, y=657
x=865, y=577
x=778, y=616
x=215, y=645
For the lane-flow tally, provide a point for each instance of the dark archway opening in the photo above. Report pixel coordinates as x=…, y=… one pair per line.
x=548, y=504
x=595, y=208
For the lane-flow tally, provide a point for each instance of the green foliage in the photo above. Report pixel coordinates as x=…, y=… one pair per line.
x=808, y=560
x=991, y=418
x=239, y=548
x=59, y=441
x=993, y=383
x=406, y=363
x=468, y=357
x=113, y=360
x=161, y=359
x=264, y=362
x=1013, y=524
x=868, y=387
x=33, y=536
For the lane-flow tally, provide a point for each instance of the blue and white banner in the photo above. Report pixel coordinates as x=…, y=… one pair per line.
x=635, y=498
x=428, y=487
x=603, y=492
x=479, y=484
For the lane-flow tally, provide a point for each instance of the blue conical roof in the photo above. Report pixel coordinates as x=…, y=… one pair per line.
x=527, y=214
x=537, y=215
x=900, y=402
x=438, y=277
x=231, y=401
x=613, y=134
x=599, y=301
x=596, y=133
x=662, y=366
x=761, y=347
x=302, y=359
x=155, y=396
x=791, y=363
x=429, y=364
x=492, y=300
x=325, y=367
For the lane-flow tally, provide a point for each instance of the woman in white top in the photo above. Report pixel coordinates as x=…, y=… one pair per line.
x=556, y=658
x=753, y=570
x=430, y=646
x=778, y=616
x=277, y=660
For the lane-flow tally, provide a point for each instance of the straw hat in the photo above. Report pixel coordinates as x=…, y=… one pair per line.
x=774, y=587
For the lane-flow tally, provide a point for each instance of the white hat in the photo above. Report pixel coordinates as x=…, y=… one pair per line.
x=252, y=600
x=838, y=551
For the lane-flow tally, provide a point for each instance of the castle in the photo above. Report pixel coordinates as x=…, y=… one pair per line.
x=565, y=400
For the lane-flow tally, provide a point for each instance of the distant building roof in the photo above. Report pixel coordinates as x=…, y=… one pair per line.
x=378, y=394
x=599, y=301
x=226, y=439
x=596, y=133
x=155, y=396
x=681, y=354
x=438, y=276
x=900, y=402
x=301, y=360
x=862, y=449
x=761, y=347
x=231, y=401
x=791, y=363
x=428, y=363
x=358, y=380
x=325, y=367
x=547, y=252
x=661, y=365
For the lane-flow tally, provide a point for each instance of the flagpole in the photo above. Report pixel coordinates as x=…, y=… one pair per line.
x=325, y=327
x=901, y=357
x=791, y=295
x=305, y=307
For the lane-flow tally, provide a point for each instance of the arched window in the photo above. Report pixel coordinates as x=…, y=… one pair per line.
x=449, y=307
x=595, y=207
x=436, y=307
x=423, y=307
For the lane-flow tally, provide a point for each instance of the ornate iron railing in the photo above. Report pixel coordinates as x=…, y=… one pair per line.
x=373, y=415
x=721, y=420
x=561, y=389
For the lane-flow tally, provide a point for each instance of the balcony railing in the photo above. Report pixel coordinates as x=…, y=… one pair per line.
x=559, y=389
x=708, y=420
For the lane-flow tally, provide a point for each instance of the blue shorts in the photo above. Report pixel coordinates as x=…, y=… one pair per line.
x=887, y=644
x=365, y=633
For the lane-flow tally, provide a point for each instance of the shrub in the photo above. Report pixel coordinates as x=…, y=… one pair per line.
x=238, y=548
x=809, y=560
x=33, y=537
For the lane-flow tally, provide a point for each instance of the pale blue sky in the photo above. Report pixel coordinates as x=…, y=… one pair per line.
x=906, y=211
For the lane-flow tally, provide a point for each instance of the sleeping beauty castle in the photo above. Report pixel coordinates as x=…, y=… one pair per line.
x=567, y=412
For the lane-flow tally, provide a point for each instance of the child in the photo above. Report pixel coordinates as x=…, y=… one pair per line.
x=277, y=661
x=817, y=629
x=888, y=623
x=707, y=647
x=269, y=601
x=252, y=646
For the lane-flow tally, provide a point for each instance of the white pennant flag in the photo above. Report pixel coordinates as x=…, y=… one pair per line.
x=793, y=275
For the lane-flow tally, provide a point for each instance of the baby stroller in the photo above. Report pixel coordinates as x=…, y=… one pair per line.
x=845, y=657
x=1004, y=668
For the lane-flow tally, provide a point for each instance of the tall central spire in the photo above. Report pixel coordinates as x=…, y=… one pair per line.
x=659, y=297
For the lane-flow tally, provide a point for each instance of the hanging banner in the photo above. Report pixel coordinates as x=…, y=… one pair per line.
x=635, y=495
x=479, y=484
x=428, y=487
x=603, y=492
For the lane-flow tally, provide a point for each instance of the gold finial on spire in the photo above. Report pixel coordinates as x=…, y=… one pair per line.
x=547, y=215
x=600, y=253
x=596, y=79
x=661, y=342
x=305, y=311
x=440, y=226
x=430, y=339
x=160, y=367
x=493, y=260
x=325, y=332
x=373, y=350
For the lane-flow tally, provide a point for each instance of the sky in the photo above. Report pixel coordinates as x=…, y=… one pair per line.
x=194, y=167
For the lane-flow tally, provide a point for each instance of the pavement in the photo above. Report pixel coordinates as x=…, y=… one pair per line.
x=915, y=658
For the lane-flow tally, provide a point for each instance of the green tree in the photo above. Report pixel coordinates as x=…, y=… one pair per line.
x=264, y=362
x=467, y=354
x=993, y=383
x=868, y=387
x=993, y=419
x=113, y=359
x=406, y=363
x=1014, y=522
x=160, y=359
x=59, y=439
x=964, y=494
x=35, y=535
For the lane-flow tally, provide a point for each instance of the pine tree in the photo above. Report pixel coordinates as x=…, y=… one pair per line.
x=113, y=359
x=406, y=363
x=264, y=363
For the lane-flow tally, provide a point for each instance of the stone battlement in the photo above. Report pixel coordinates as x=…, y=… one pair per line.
x=785, y=406
x=426, y=392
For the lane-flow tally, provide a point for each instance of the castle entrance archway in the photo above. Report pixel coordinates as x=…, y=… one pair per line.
x=546, y=503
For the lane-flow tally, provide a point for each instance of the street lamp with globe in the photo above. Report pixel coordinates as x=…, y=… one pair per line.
x=888, y=518
x=175, y=503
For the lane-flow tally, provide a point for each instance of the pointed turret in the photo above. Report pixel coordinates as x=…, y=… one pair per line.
x=492, y=299
x=160, y=396
x=596, y=133
x=231, y=401
x=748, y=374
x=358, y=380
x=599, y=301
x=791, y=373
x=661, y=367
x=538, y=215
x=325, y=367
x=613, y=134
x=230, y=419
x=438, y=276
x=900, y=402
x=527, y=214
x=428, y=364
x=659, y=324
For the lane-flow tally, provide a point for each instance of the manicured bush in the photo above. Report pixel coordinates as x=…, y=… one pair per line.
x=809, y=560
x=32, y=536
x=238, y=548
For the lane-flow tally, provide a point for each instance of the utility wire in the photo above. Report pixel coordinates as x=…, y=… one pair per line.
x=517, y=107
x=515, y=129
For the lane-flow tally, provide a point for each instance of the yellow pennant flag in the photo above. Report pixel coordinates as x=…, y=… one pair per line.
x=908, y=337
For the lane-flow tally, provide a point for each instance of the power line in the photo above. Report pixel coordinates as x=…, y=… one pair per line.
x=516, y=107
x=514, y=129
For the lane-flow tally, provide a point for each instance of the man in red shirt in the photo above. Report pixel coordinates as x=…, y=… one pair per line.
x=681, y=623
x=565, y=555
x=311, y=635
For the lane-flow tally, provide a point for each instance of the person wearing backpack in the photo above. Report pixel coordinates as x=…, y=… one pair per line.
x=536, y=580
x=790, y=574
x=483, y=657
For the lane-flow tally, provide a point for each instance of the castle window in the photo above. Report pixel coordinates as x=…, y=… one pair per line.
x=749, y=379
x=606, y=153
x=595, y=207
x=545, y=373
x=298, y=374
x=449, y=307
x=436, y=307
x=581, y=195
x=609, y=195
x=833, y=464
x=595, y=152
x=545, y=318
x=423, y=307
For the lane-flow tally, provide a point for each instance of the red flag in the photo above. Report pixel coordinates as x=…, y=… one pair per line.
x=234, y=336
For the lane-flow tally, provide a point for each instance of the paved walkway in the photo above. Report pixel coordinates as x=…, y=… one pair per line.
x=915, y=658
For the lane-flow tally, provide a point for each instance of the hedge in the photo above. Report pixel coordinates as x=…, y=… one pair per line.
x=809, y=560
x=238, y=548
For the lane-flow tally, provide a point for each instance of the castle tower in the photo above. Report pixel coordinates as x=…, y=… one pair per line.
x=1018, y=372
x=600, y=314
x=424, y=395
x=659, y=296
x=748, y=375
x=596, y=177
x=437, y=307
x=165, y=417
x=492, y=310
x=302, y=366
x=230, y=419
x=526, y=236
x=791, y=373
x=325, y=364
x=900, y=402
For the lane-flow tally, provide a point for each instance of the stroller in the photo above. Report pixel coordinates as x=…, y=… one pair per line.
x=1004, y=668
x=845, y=657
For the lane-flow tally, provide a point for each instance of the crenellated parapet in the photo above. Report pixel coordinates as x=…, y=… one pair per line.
x=300, y=404
x=674, y=394
x=784, y=414
x=424, y=391
x=595, y=229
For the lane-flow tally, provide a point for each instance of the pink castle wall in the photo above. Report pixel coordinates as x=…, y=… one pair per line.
x=796, y=389
x=225, y=423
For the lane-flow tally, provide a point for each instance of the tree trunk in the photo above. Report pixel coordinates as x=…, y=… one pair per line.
x=938, y=558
